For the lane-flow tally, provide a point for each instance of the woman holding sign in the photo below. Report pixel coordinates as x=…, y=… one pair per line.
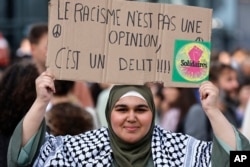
x=131, y=139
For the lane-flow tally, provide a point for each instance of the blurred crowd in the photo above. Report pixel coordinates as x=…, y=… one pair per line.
x=80, y=106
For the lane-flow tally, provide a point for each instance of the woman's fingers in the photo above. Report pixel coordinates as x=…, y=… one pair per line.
x=208, y=89
x=45, y=84
x=209, y=95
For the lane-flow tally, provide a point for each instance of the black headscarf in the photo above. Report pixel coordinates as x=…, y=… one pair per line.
x=126, y=154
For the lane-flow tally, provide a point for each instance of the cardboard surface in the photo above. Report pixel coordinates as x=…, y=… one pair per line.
x=125, y=42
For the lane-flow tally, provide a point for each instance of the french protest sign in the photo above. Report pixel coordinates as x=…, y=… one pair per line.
x=125, y=42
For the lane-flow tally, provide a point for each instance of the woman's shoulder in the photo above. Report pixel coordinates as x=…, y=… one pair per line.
x=89, y=137
x=164, y=137
x=96, y=135
x=160, y=131
x=85, y=148
x=97, y=138
x=175, y=146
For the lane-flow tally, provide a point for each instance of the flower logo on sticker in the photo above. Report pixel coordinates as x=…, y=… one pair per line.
x=192, y=62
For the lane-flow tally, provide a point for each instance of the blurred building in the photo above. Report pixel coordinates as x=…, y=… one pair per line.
x=17, y=15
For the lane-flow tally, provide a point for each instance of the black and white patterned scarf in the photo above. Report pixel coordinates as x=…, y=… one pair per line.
x=92, y=149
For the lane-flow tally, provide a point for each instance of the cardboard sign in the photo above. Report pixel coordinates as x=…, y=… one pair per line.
x=125, y=42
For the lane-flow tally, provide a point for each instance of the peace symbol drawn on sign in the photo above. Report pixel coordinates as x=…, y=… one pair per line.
x=57, y=30
x=199, y=39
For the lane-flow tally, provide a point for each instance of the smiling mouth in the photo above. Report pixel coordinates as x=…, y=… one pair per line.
x=131, y=128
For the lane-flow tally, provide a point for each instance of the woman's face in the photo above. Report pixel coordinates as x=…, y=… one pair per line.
x=131, y=118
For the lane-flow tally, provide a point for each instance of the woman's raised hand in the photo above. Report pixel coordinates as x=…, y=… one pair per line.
x=209, y=94
x=45, y=86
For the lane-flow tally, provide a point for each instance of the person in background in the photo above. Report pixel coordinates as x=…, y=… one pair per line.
x=244, y=70
x=17, y=93
x=24, y=50
x=38, y=38
x=223, y=57
x=239, y=55
x=177, y=103
x=131, y=139
x=95, y=89
x=243, y=96
x=246, y=121
x=64, y=93
x=4, y=53
x=101, y=104
x=82, y=92
x=241, y=62
x=156, y=89
x=226, y=79
x=66, y=118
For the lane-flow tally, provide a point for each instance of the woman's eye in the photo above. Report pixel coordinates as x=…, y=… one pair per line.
x=141, y=110
x=121, y=109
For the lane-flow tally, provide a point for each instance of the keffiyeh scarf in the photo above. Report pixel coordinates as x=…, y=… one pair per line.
x=93, y=149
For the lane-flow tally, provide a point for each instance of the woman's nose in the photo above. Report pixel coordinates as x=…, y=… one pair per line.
x=131, y=116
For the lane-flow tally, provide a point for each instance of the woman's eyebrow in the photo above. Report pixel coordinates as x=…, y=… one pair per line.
x=143, y=105
x=120, y=105
x=124, y=105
